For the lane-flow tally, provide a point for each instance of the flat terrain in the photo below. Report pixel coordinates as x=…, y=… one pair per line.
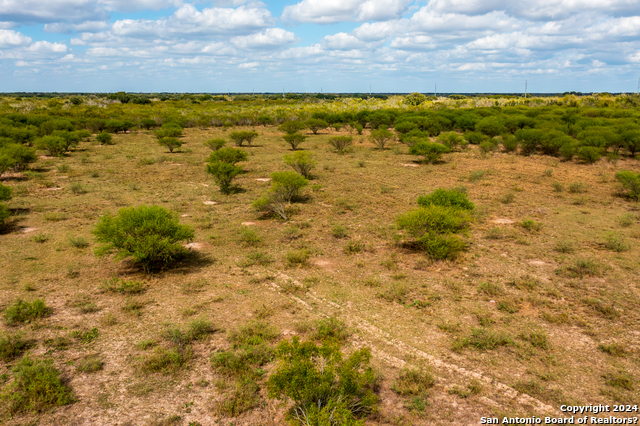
x=549, y=288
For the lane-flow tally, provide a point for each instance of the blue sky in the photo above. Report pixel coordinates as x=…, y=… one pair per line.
x=313, y=45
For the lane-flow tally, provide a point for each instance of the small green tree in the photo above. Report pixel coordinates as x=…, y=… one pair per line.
x=294, y=139
x=224, y=173
x=150, y=235
x=16, y=156
x=302, y=162
x=292, y=126
x=169, y=130
x=239, y=137
x=341, y=143
x=215, y=143
x=228, y=155
x=326, y=388
x=5, y=192
x=381, y=137
x=432, y=152
x=414, y=99
x=315, y=124
x=170, y=143
x=104, y=138
x=589, y=154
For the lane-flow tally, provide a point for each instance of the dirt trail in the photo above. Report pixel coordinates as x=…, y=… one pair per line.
x=370, y=334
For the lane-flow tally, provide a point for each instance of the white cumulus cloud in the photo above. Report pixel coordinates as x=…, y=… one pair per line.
x=331, y=11
x=10, y=38
x=271, y=38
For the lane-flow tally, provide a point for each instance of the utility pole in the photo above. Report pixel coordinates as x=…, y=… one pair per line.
x=435, y=90
x=638, y=90
x=369, y=90
x=525, y=88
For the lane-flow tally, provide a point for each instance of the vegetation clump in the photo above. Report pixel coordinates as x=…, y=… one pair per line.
x=150, y=235
x=22, y=312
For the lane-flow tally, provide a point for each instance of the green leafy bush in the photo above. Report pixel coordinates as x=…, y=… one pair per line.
x=455, y=197
x=150, y=235
x=215, y=143
x=289, y=183
x=5, y=192
x=337, y=391
x=12, y=346
x=292, y=126
x=239, y=138
x=316, y=124
x=37, y=387
x=431, y=152
x=224, y=173
x=452, y=140
x=4, y=214
x=589, y=154
x=21, y=311
x=302, y=162
x=630, y=182
x=341, y=143
x=104, y=138
x=170, y=143
x=294, y=139
x=54, y=145
x=381, y=137
x=228, y=155
x=413, y=382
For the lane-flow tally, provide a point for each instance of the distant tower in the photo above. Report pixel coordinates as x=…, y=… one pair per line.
x=525, y=88
x=435, y=90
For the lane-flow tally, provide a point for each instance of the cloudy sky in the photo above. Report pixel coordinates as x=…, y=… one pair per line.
x=313, y=45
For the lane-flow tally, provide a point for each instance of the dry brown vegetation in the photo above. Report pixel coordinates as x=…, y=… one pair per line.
x=542, y=310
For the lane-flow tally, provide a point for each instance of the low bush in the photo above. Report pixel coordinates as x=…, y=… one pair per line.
x=170, y=143
x=118, y=285
x=483, y=339
x=341, y=143
x=104, y=138
x=166, y=360
x=21, y=311
x=630, y=182
x=413, y=382
x=381, y=137
x=315, y=124
x=224, y=173
x=150, y=235
x=452, y=140
x=227, y=155
x=455, y=197
x=301, y=162
x=294, y=139
x=292, y=126
x=215, y=143
x=289, y=183
x=36, y=387
x=13, y=346
x=239, y=138
x=331, y=330
x=337, y=391
x=54, y=145
x=431, y=152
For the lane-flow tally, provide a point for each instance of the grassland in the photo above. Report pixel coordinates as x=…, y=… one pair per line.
x=542, y=310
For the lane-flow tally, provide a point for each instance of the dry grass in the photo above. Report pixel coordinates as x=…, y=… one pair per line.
x=533, y=287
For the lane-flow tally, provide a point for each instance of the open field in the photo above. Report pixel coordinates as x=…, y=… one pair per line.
x=541, y=310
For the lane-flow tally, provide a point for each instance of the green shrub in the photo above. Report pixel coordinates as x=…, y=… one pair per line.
x=36, y=387
x=452, y=140
x=254, y=333
x=619, y=379
x=616, y=244
x=338, y=391
x=78, y=242
x=169, y=130
x=289, y=183
x=148, y=123
x=150, y=235
x=455, y=197
x=316, y=124
x=381, y=137
x=339, y=231
x=613, y=349
x=199, y=329
x=170, y=143
x=228, y=155
x=331, y=330
x=21, y=311
x=431, y=152
x=490, y=289
x=630, y=182
x=239, y=137
x=581, y=269
x=54, y=145
x=578, y=188
x=341, y=143
x=12, y=346
x=260, y=258
x=294, y=139
x=224, y=173
x=243, y=397
x=353, y=247
x=292, y=126
x=5, y=192
x=215, y=143
x=5, y=213
x=302, y=162
x=589, y=154
x=510, y=143
x=531, y=225
x=297, y=257
x=15, y=156
x=85, y=336
x=104, y=138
